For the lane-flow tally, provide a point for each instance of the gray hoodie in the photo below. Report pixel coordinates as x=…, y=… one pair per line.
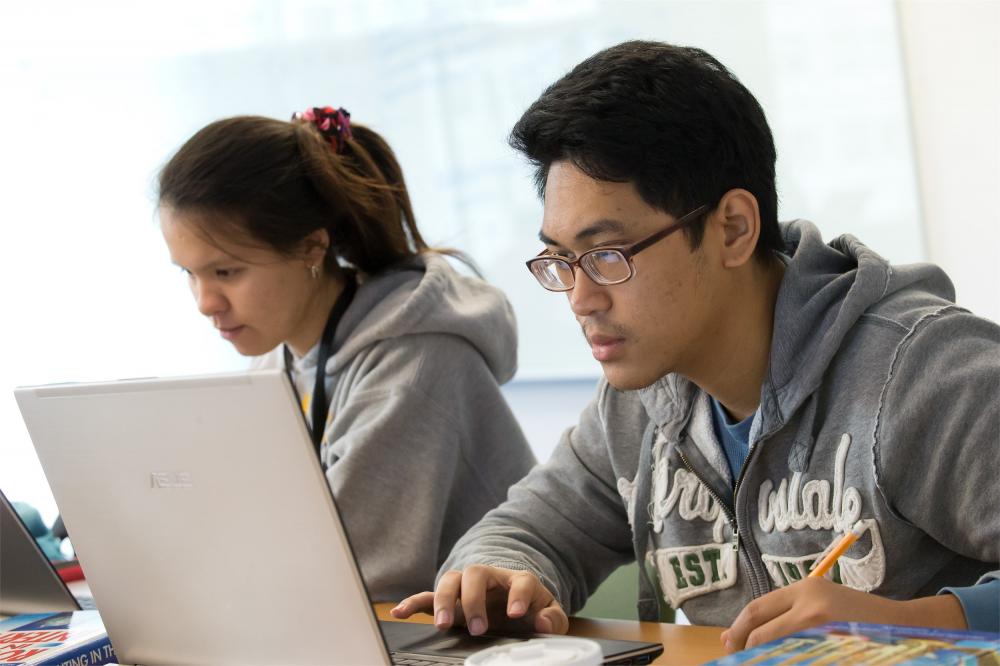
x=880, y=405
x=419, y=442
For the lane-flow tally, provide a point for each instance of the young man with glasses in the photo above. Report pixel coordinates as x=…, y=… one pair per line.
x=765, y=393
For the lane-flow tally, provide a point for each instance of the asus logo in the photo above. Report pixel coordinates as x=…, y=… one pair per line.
x=171, y=480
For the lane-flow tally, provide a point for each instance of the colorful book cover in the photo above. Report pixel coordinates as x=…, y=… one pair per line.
x=882, y=644
x=55, y=639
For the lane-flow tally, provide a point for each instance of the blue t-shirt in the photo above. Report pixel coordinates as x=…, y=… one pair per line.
x=981, y=603
x=734, y=437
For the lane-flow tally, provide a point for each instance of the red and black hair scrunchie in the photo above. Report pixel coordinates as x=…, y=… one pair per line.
x=334, y=124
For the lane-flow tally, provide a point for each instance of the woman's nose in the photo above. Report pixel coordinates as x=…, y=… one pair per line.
x=210, y=300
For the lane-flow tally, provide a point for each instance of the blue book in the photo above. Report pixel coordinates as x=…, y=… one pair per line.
x=75, y=638
x=860, y=643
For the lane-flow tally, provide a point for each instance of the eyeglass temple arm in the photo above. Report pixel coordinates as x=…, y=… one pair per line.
x=684, y=221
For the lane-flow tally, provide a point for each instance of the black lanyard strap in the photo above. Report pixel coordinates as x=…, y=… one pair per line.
x=318, y=407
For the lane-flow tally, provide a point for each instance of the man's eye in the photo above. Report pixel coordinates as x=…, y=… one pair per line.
x=556, y=254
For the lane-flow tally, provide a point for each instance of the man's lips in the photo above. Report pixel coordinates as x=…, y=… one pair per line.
x=605, y=347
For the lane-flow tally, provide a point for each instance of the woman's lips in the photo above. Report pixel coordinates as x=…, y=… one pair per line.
x=605, y=348
x=231, y=333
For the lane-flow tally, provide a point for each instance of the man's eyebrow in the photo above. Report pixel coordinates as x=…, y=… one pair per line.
x=602, y=226
x=545, y=239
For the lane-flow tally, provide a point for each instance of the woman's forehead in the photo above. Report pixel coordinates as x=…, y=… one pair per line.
x=211, y=238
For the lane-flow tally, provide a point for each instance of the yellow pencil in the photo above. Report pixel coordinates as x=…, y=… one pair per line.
x=831, y=558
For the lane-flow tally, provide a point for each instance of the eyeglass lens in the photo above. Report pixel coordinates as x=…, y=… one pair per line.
x=603, y=266
x=553, y=273
x=606, y=266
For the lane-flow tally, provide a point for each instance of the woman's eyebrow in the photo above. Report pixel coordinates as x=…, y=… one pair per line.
x=208, y=266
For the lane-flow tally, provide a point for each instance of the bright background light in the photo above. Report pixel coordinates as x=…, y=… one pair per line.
x=98, y=95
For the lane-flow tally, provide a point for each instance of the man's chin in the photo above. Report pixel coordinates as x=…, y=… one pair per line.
x=624, y=380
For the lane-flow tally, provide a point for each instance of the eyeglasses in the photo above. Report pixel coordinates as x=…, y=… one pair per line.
x=603, y=265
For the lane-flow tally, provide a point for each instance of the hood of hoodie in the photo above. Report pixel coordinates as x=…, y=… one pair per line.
x=427, y=296
x=827, y=287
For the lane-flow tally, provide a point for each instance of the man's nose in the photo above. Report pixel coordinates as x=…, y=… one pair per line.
x=587, y=297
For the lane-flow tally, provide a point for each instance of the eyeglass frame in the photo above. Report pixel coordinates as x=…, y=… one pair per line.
x=627, y=252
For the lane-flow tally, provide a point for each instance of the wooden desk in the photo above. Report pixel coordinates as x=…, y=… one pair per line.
x=682, y=645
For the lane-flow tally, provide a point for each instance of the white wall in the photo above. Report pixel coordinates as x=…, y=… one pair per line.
x=98, y=94
x=951, y=57
x=546, y=408
x=952, y=61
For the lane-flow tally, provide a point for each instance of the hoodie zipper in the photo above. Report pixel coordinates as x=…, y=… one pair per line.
x=718, y=500
x=756, y=589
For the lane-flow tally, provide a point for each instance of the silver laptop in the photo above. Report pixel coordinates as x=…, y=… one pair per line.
x=29, y=582
x=207, y=529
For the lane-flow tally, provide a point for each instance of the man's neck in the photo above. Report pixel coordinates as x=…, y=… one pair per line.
x=737, y=360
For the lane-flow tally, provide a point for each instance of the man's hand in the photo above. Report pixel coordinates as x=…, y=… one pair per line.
x=814, y=601
x=481, y=597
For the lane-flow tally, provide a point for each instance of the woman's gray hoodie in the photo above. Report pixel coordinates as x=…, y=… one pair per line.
x=419, y=441
x=880, y=405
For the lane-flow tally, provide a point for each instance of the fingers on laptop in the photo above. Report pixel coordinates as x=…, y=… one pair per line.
x=483, y=595
x=531, y=603
x=442, y=603
x=480, y=586
x=530, y=599
x=552, y=619
x=418, y=603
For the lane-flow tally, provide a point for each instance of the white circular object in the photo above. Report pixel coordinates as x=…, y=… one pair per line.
x=556, y=651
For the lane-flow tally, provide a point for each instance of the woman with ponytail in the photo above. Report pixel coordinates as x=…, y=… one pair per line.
x=300, y=246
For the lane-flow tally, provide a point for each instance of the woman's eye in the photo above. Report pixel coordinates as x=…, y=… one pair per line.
x=226, y=272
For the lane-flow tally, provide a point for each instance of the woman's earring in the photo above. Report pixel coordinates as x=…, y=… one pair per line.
x=314, y=271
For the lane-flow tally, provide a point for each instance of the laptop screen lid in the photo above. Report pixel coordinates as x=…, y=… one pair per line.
x=208, y=532
x=205, y=525
x=28, y=581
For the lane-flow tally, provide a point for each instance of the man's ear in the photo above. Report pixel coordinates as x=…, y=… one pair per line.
x=739, y=221
x=314, y=247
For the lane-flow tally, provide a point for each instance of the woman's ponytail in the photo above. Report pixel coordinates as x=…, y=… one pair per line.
x=280, y=181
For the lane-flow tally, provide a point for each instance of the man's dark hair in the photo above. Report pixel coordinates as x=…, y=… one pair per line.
x=670, y=119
